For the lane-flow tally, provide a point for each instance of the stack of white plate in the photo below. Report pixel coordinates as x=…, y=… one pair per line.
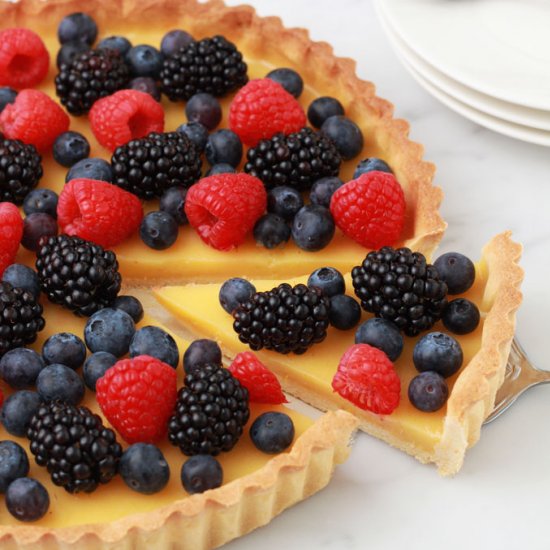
x=488, y=60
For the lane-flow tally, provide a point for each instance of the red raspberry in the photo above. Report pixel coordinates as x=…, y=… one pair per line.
x=261, y=383
x=370, y=209
x=263, y=108
x=138, y=396
x=123, y=116
x=98, y=211
x=367, y=378
x=24, y=59
x=34, y=118
x=224, y=208
x=11, y=231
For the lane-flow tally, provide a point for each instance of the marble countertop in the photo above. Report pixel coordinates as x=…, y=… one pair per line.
x=382, y=498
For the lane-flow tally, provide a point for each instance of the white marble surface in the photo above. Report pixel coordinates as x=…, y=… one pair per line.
x=381, y=498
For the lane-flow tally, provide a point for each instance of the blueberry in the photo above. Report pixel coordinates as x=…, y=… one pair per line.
x=271, y=231
x=21, y=276
x=7, y=95
x=272, y=432
x=96, y=366
x=77, y=27
x=173, y=202
x=204, y=108
x=20, y=367
x=328, y=280
x=428, y=391
x=438, y=352
x=345, y=134
x=131, y=305
x=65, y=348
x=201, y=473
x=42, y=201
x=201, y=352
x=58, y=382
x=157, y=343
x=460, y=316
x=371, y=164
x=323, y=189
x=234, y=292
x=14, y=463
x=196, y=132
x=69, y=148
x=284, y=201
x=36, y=226
x=313, y=227
x=382, y=334
x=224, y=146
x=17, y=411
x=457, y=271
x=289, y=79
x=144, y=60
x=144, y=469
x=220, y=168
x=91, y=168
x=145, y=84
x=322, y=108
x=118, y=43
x=69, y=51
x=344, y=312
x=27, y=499
x=158, y=230
x=173, y=41
x=109, y=330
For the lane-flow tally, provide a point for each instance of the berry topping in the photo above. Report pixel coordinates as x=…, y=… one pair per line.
x=27, y=499
x=175, y=40
x=69, y=148
x=17, y=411
x=11, y=231
x=144, y=468
x=272, y=432
x=96, y=366
x=284, y=201
x=224, y=208
x=368, y=379
x=7, y=95
x=172, y=202
x=69, y=52
x=60, y=383
x=42, y=201
x=204, y=109
x=223, y=147
x=457, y=271
x=155, y=342
x=118, y=43
x=271, y=231
x=323, y=189
x=221, y=168
x=20, y=170
x=197, y=133
x=24, y=59
x=261, y=383
x=201, y=473
x=428, y=391
x=344, y=312
x=263, y=108
x=158, y=230
x=144, y=60
x=201, y=353
x=312, y=227
x=92, y=169
x=14, y=463
x=109, y=330
x=20, y=367
x=345, y=134
x=328, y=280
x=381, y=334
x=289, y=79
x=438, y=352
x=98, y=211
x=130, y=305
x=461, y=316
x=65, y=348
x=137, y=396
x=371, y=164
x=147, y=85
x=77, y=27
x=24, y=277
x=370, y=209
x=36, y=226
x=322, y=108
x=234, y=292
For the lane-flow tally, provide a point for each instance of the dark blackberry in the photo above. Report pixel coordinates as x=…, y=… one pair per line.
x=73, y=444
x=77, y=274
x=90, y=76
x=211, y=65
x=296, y=160
x=20, y=170
x=211, y=411
x=149, y=166
x=285, y=319
x=399, y=285
x=20, y=317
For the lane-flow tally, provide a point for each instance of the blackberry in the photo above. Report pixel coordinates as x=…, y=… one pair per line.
x=20, y=170
x=399, y=285
x=211, y=65
x=285, y=319
x=296, y=160
x=77, y=274
x=20, y=317
x=211, y=411
x=149, y=166
x=90, y=76
x=73, y=444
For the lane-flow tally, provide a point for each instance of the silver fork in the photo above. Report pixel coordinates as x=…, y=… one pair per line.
x=520, y=376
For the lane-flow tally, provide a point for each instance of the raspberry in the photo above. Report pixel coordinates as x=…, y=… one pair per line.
x=125, y=115
x=263, y=108
x=138, y=396
x=24, y=59
x=98, y=211
x=370, y=209
x=34, y=118
x=261, y=383
x=225, y=207
x=11, y=231
x=368, y=379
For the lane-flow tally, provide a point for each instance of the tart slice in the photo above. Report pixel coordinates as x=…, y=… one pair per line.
x=440, y=437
